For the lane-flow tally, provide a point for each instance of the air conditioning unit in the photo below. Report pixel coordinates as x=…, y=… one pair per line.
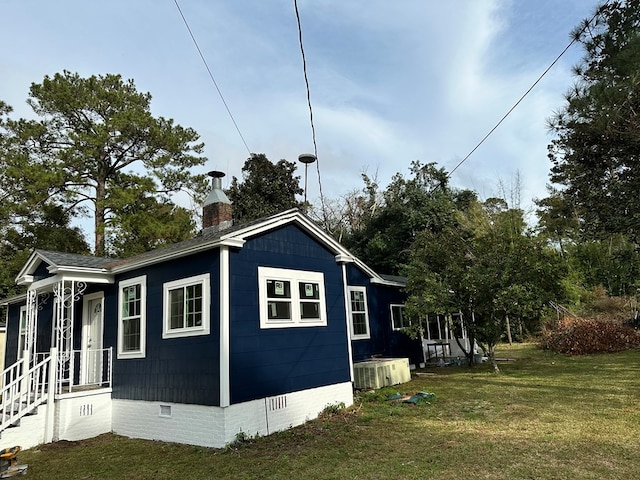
x=381, y=372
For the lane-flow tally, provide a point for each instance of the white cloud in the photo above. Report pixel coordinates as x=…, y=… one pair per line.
x=391, y=82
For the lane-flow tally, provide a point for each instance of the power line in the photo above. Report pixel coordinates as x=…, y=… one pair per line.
x=306, y=81
x=211, y=76
x=573, y=40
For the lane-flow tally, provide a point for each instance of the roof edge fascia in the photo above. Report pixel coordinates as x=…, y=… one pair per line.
x=389, y=283
x=342, y=255
x=30, y=265
x=15, y=299
x=293, y=216
x=172, y=255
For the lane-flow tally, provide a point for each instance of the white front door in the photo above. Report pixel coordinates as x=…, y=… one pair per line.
x=92, y=329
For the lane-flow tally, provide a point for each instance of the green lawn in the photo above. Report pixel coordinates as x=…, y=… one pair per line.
x=546, y=416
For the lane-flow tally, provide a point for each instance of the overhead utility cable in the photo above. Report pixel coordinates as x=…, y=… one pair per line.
x=211, y=76
x=573, y=40
x=306, y=81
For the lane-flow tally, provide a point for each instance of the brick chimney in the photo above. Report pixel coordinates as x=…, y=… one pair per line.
x=217, y=212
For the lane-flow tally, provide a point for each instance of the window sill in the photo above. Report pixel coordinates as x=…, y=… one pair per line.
x=186, y=333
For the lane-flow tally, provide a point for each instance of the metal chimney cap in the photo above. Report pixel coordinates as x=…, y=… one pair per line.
x=216, y=174
x=307, y=158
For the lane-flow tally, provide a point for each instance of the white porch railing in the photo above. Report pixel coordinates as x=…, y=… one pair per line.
x=23, y=390
x=92, y=368
x=89, y=368
x=12, y=373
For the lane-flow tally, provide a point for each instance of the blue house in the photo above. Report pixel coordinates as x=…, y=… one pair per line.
x=245, y=329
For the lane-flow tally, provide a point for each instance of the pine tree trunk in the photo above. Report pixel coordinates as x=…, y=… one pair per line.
x=99, y=221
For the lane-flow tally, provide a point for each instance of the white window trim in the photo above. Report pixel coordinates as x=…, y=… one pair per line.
x=22, y=332
x=363, y=336
x=295, y=277
x=393, y=327
x=142, y=280
x=203, y=329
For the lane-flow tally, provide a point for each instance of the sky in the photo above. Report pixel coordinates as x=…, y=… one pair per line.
x=390, y=81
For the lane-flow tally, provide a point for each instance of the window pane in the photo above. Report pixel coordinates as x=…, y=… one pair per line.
x=397, y=315
x=309, y=291
x=22, y=334
x=194, y=305
x=176, y=308
x=131, y=334
x=357, y=301
x=194, y=319
x=359, y=324
x=194, y=292
x=310, y=310
x=131, y=301
x=278, y=289
x=135, y=300
x=279, y=311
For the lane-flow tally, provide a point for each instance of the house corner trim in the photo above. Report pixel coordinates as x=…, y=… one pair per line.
x=225, y=387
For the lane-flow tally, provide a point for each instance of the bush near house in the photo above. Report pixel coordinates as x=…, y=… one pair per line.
x=579, y=336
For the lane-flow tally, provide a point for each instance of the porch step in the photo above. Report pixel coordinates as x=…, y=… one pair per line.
x=16, y=410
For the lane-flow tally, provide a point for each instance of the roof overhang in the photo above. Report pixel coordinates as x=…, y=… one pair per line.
x=15, y=299
x=59, y=271
x=389, y=283
x=236, y=238
x=342, y=255
x=285, y=218
x=25, y=276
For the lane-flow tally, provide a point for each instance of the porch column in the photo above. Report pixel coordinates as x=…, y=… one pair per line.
x=50, y=405
x=31, y=326
x=66, y=294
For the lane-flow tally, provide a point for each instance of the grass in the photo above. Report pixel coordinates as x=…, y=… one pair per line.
x=546, y=416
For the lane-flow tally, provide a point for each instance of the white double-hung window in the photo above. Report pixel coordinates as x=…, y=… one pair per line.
x=358, y=312
x=132, y=301
x=186, y=307
x=291, y=298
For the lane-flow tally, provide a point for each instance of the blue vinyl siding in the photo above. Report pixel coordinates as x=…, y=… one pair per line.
x=180, y=370
x=399, y=344
x=263, y=362
x=11, y=338
x=384, y=341
x=42, y=272
x=378, y=334
x=45, y=323
x=267, y=362
x=43, y=335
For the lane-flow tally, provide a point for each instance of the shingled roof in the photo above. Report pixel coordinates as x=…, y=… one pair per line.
x=74, y=259
x=234, y=236
x=62, y=259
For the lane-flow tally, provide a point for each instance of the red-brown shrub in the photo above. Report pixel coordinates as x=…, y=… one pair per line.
x=583, y=336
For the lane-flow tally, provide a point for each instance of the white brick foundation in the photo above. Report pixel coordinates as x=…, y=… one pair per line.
x=29, y=433
x=216, y=426
x=77, y=416
x=82, y=415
